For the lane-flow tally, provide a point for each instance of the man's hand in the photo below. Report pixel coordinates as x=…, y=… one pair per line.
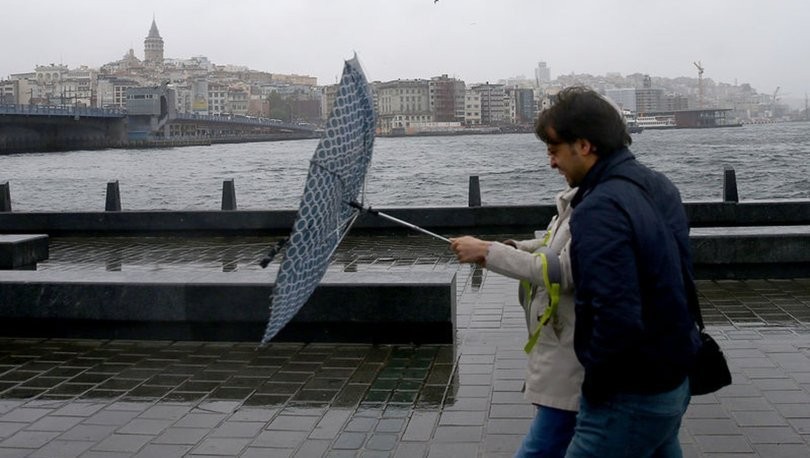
x=470, y=249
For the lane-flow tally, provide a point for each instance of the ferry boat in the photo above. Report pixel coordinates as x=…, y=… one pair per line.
x=657, y=122
x=631, y=122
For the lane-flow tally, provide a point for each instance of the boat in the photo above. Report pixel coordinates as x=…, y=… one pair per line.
x=631, y=122
x=435, y=131
x=656, y=122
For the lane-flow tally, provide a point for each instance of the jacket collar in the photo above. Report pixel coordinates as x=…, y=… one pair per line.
x=563, y=199
x=600, y=171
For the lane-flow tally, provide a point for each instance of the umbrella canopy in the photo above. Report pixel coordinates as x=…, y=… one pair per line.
x=336, y=177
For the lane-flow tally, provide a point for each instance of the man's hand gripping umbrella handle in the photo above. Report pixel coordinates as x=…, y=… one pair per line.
x=359, y=206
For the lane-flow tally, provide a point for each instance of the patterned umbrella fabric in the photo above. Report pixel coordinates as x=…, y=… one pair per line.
x=336, y=177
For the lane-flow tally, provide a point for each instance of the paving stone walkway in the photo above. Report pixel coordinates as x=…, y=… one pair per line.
x=93, y=398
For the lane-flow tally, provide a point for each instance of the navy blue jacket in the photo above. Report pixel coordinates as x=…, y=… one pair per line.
x=630, y=255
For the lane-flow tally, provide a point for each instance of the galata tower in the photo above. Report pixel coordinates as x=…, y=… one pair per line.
x=153, y=46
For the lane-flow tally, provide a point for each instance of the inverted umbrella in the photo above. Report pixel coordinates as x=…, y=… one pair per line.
x=329, y=203
x=336, y=176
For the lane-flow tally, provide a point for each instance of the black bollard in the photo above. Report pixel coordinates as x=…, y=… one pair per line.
x=113, y=203
x=730, y=185
x=228, y=195
x=5, y=197
x=474, y=192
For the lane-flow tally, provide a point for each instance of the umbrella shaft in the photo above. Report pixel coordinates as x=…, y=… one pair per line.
x=412, y=226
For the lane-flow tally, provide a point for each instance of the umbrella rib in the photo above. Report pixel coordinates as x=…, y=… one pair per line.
x=345, y=232
x=328, y=170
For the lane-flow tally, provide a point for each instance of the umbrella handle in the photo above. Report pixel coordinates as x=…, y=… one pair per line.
x=374, y=212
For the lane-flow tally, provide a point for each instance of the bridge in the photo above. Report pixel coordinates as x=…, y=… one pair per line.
x=238, y=126
x=58, y=111
x=29, y=128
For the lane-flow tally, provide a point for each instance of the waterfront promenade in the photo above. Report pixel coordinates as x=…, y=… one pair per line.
x=112, y=398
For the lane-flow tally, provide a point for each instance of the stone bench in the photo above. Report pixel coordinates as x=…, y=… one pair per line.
x=227, y=306
x=22, y=251
x=751, y=252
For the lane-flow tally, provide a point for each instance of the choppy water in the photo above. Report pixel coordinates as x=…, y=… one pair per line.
x=771, y=161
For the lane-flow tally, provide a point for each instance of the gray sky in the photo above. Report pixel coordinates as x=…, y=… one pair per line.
x=764, y=43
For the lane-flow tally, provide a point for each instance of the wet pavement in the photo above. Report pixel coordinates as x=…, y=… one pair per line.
x=103, y=398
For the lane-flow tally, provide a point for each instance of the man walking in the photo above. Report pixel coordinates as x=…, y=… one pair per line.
x=634, y=334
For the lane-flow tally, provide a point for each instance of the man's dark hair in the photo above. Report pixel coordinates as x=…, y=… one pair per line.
x=580, y=112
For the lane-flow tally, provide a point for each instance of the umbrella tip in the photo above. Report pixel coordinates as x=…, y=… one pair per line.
x=273, y=252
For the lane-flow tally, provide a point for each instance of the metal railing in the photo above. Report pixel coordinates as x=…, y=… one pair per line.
x=250, y=120
x=61, y=110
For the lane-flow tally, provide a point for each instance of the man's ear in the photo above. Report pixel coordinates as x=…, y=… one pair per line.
x=585, y=147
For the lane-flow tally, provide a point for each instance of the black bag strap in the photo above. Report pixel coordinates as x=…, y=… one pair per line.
x=688, y=280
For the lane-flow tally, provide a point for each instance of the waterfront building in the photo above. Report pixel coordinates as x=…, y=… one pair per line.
x=217, y=98
x=472, y=108
x=199, y=96
x=703, y=118
x=330, y=94
x=447, y=99
x=183, y=97
x=148, y=111
x=79, y=87
x=258, y=106
x=523, y=106
x=48, y=79
x=509, y=108
x=402, y=102
x=9, y=91
x=492, y=103
x=111, y=91
x=546, y=98
x=50, y=74
x=237, y=99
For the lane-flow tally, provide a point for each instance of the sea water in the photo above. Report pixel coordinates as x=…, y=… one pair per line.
x=771, y=162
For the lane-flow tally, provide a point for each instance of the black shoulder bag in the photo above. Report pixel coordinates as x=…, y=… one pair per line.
x=710, y=370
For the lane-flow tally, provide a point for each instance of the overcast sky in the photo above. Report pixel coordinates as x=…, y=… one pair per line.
x=762, y=42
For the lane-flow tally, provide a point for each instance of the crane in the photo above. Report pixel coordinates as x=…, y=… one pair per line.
x=699, y=66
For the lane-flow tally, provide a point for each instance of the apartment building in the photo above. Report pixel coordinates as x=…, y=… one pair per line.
x=472, y=108
x=447, y=99
x=493, y=106
x=401, y=103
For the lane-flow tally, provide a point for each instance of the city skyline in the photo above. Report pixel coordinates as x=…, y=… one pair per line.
x=472, y=40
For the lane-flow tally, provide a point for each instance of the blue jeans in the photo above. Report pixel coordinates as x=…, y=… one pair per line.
x=549, y=433
x=631, y=425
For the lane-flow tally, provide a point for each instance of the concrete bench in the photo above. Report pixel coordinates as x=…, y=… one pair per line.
x=22, y=251
x=751, y=252
x=227, y=306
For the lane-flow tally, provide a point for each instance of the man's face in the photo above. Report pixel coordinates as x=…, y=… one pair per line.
x=572, y=160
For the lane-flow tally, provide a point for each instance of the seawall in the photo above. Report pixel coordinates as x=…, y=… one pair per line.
x=457, y=220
